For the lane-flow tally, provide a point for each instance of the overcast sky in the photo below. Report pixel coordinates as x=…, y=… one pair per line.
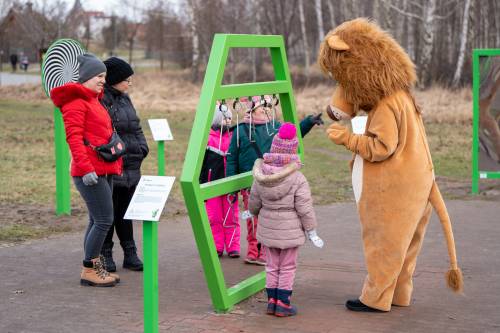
x=109, y=6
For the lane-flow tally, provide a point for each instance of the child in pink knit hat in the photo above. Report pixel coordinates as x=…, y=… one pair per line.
x=281, y=198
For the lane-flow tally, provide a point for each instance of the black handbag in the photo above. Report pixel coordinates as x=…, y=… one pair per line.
x=111, y=151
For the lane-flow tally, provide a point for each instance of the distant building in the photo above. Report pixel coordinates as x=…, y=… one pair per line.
x=85, y=25
x=24, y=31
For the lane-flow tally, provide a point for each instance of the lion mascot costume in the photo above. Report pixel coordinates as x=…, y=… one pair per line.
x=392, y=170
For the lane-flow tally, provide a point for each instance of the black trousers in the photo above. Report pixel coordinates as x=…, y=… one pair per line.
x=124, y=228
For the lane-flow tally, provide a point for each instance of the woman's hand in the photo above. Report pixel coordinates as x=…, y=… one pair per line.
x=90, y=179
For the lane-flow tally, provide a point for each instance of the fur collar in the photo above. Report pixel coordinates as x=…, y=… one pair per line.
x=69, y=92
x=274, y=178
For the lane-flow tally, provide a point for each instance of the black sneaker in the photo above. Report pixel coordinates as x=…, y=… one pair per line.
x=356, y=305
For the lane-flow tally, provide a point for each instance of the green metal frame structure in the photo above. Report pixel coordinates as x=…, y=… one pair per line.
x=224, y=298
x=62, y=155
x=476, y=173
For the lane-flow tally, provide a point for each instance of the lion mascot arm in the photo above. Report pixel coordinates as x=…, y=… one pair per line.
x=380, y=142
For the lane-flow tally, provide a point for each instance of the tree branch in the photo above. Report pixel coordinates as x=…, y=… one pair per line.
x=402, y=12
x=416, y=4
x=447, y=15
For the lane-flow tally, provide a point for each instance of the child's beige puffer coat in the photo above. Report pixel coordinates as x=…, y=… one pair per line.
x=283, y=204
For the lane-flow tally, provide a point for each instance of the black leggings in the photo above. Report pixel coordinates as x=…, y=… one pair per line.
x=124, y=228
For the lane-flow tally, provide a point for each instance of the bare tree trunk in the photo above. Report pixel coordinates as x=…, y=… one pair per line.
x=400, y=23
x=463, y=43
x=319, y=16
x=496, y=15
x=332, y=14
x=485, y=22
x=388, y=23
x=161, y=37
x=304, y=39
x=130, y=50
x=258, y=31
x=376, y=11
x=429, y=26
x=473, y=23
x=450, y=42
x=194, y=40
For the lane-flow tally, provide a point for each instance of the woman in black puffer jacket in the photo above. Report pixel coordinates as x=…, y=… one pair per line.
x=127, y=124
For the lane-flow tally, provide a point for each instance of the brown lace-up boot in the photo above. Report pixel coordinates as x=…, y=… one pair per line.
x=94, y=274
x=113, y=275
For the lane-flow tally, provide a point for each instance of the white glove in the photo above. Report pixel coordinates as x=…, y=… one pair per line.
x=90, y=179
x=246, y=215
x=313, y=237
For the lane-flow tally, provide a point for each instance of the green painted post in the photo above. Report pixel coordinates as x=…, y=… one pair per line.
x=62, y=155
x=475, y=122
x=476, y=80
x=161, y=158
x=63, y=193
x=150, y=252
x=224, y=298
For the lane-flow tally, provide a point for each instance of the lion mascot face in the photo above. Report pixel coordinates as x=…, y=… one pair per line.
x=368, y=65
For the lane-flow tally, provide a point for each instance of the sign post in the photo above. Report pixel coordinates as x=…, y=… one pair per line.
x=161, y=133
x=147, y=203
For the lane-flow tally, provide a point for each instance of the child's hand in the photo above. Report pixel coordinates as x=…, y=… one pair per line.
x=314, y=238
x=246, y=215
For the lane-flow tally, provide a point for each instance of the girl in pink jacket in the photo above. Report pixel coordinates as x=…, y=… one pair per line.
x=281, y=198
x=223, y=210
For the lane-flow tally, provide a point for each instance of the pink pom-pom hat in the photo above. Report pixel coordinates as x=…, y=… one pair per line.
x=285, y=142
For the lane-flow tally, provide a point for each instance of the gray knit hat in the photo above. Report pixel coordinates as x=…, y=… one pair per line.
x=90, y=66
x=221, y=113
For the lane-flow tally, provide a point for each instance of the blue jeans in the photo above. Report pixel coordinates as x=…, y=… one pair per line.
x=99, y=201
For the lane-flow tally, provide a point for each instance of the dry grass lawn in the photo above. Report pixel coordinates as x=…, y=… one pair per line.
x=27, y=168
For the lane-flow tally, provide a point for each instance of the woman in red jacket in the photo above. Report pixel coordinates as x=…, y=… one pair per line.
x=88, y=125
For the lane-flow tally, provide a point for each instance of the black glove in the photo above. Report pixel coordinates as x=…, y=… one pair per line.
x=316, y=119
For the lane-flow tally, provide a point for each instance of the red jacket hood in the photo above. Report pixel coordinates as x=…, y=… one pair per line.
x=69, y=92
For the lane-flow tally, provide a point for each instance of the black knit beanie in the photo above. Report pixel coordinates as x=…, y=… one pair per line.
x=118, y=70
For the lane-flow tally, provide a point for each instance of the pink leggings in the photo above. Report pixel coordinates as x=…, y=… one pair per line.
x=280, y=267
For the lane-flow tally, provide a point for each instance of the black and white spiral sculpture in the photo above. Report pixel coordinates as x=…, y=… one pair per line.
x=60, y=64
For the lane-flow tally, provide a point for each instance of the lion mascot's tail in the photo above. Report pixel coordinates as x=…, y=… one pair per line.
x=454, y=276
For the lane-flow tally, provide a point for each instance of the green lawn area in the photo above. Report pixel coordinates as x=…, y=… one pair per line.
x=28, y=165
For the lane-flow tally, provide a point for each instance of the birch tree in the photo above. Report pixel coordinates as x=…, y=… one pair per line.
x=332, y=13
x=319, y=16
x=304, y=38
x=195, y=56
x=463, y=43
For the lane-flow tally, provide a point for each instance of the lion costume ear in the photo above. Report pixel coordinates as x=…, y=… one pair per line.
x=336, y=43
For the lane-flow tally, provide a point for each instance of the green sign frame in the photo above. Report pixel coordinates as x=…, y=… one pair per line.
x=224, y=298
x=476, y=79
